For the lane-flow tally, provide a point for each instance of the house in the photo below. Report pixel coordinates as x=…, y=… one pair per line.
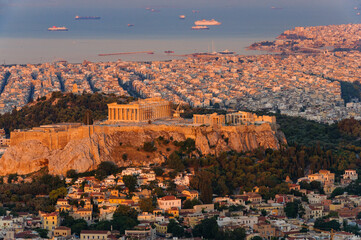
x=50, y=221
x=248, y=221
x=106, y=212
x=313, y=211
x=62, y=205
x=131, y=171
x=142, y=231
x=147, y=217
x=168, y=202
x=62, y=231
x=94, y=234
x=203, y=208
x=293, y=186
x=316, y=198
x=253, y=197
x=349, y=176
x=114, y=192
x=190, y=194
x=323, y=176
x=266, y=231
x=109, y=181
x=83, y=213
x=193, y=219
x=174, y=211
x=6, y=222
x=276, y=209
x=161, y=228
x=182, y=179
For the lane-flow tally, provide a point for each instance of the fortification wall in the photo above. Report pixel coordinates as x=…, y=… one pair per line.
x=59, y=139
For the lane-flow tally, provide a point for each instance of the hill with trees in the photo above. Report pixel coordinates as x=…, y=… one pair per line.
x=60, y=107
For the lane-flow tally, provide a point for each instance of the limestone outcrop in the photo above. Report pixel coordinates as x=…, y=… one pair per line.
x=84, y=152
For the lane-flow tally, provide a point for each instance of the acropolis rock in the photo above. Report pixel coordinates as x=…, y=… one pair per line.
x=82, y=148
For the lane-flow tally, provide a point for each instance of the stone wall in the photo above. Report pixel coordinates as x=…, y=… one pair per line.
x=54, y=140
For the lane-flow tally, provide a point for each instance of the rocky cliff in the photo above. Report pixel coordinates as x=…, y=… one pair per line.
x=105, y=143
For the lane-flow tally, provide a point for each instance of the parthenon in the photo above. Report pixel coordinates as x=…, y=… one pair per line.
x=141, y=110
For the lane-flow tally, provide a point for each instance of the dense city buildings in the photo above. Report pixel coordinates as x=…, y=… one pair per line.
x=146, y=173
x=315, y=39
x=261, y=217
x=305, y=85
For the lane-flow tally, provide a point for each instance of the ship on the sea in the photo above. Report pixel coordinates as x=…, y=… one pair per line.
x=182, y=16
x=226, y=52
x=200, y=28
x=87, y=18
x=205, y=22
x=169, y=51
x=130, y=25
x=55, y=28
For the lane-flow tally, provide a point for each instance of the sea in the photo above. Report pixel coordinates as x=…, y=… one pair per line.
x=24, y=37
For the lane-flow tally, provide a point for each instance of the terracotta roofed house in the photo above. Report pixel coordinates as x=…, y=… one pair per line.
x=168, y=202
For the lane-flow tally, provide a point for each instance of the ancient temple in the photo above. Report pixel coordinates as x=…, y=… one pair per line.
x=141, y=110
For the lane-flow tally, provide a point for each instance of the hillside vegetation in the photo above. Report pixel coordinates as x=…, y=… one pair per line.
x=60, y=107
x=312, y=146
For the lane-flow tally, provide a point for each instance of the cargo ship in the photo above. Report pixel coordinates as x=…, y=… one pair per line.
x=207, y=22
x=55, y=28
x=200, y=28
x=182, y=16
x=87, y=18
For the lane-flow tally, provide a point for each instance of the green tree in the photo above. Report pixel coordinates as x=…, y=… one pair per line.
x=103, y=225
x=149, y=147
x=175, y=162
x=146, y=205
x=71, y=173
x=174, y=228
x=58, y=193
x=189, y=204
x=208, y=228
x=105, y=169
x=158, y=171
x=2, y=211
x=43, y=233
x=256, y=238
x=294, y=209
x=130, y=181
x=124, y=218
x=327, y=225
x=236, y=234
x=78, y=225
x=123, y=210
x=338, y=191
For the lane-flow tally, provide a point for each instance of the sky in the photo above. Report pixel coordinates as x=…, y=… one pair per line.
x=163, y=3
